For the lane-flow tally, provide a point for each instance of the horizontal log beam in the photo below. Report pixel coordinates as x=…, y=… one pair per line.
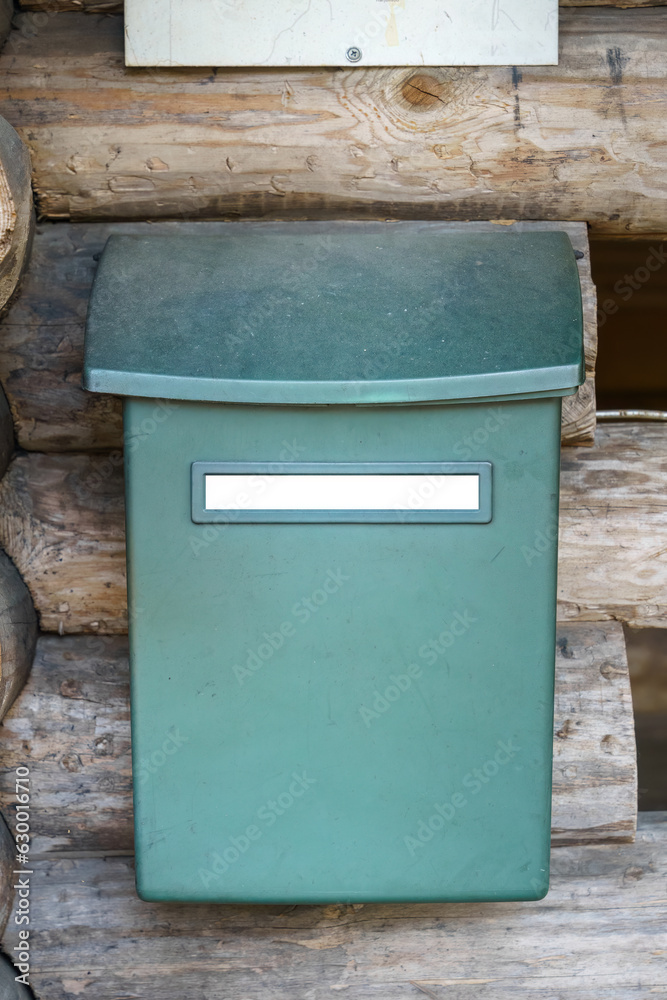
x=41, y=347
x=593, y=3
x=61, y=521
x=584, y=140
x=599, y=933
x=116, y=6
x=74, y=716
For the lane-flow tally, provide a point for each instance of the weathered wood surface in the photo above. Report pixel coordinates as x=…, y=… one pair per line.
x=6, y=432
x=6, y=15
x=600, y=933
x=583, y=140
x=16, y=209
x=595, y=759
x=18, y=633
x=63, y=525
x=116, y=6
x=61, y=521
x=613, y=527
x=41, y=339
x=71, y=727
x=599, y=3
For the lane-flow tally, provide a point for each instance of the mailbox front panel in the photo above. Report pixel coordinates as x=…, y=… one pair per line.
x=338, y=710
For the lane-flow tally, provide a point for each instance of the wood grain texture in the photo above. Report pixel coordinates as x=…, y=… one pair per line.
x=116, y=6
x=613, y=527
x=41, y=347
x=585, y=140
x=603, y=3
x=87, y=6
x=71, y=727
x=63, y=525
x=61, y=521
x=595, y=759
x=16, y=209
x=18, y=633
x=600, y=933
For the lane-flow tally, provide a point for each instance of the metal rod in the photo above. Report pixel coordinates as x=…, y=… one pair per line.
x=657, y=415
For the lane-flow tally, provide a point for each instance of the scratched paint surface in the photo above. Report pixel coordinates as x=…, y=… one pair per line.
x=341, y=32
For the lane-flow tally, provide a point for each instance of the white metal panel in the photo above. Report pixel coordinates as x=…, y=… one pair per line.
x=342, y=492
x=340, y=32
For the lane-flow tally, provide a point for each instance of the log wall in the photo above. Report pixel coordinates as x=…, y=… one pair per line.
x=112, y=147
x=584, y=140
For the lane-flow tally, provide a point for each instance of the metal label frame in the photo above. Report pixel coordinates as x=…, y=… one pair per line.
x=200, y=514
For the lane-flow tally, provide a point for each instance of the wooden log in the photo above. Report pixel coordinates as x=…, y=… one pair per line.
x=605, y=3
x=63, y=524
x=613, y=528
x=61, y=521
x=6, y=15
x=599, y=933
x=87, y=6
x=116, y=6
x=74, y=718
x=41, y=349
x=18, y=633
x=584, y=140
x=16, y=209
x=595, y=759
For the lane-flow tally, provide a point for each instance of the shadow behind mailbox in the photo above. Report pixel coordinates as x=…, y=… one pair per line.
x=342, y=462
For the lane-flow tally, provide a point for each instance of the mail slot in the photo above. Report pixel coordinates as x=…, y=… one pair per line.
x=342, y=469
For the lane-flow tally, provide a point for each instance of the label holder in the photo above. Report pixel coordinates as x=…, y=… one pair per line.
x=418, y=497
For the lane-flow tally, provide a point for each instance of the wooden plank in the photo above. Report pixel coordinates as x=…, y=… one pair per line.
x=61, y=521
x=584, y=140
x=599, y=933
x=73, y=717
x=41, y=349
x=116, y=6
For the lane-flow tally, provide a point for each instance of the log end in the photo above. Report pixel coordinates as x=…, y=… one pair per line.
x=16, y=208
x=18, y=633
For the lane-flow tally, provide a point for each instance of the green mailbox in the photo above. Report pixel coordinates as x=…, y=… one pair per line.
x=342, y=468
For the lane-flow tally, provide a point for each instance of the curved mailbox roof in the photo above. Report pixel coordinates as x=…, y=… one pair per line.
x=298, y=315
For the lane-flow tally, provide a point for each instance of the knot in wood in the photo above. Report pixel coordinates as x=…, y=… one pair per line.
x=423, y=92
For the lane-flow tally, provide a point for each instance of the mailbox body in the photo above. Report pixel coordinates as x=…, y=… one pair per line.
x=342, y=708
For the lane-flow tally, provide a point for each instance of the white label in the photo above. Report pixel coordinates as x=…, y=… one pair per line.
x=341, y=32
x=342, y=492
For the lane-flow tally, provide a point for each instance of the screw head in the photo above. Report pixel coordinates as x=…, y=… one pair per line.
x=353, y=54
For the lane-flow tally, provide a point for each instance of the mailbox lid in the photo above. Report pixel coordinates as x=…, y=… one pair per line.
x=302, y=314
